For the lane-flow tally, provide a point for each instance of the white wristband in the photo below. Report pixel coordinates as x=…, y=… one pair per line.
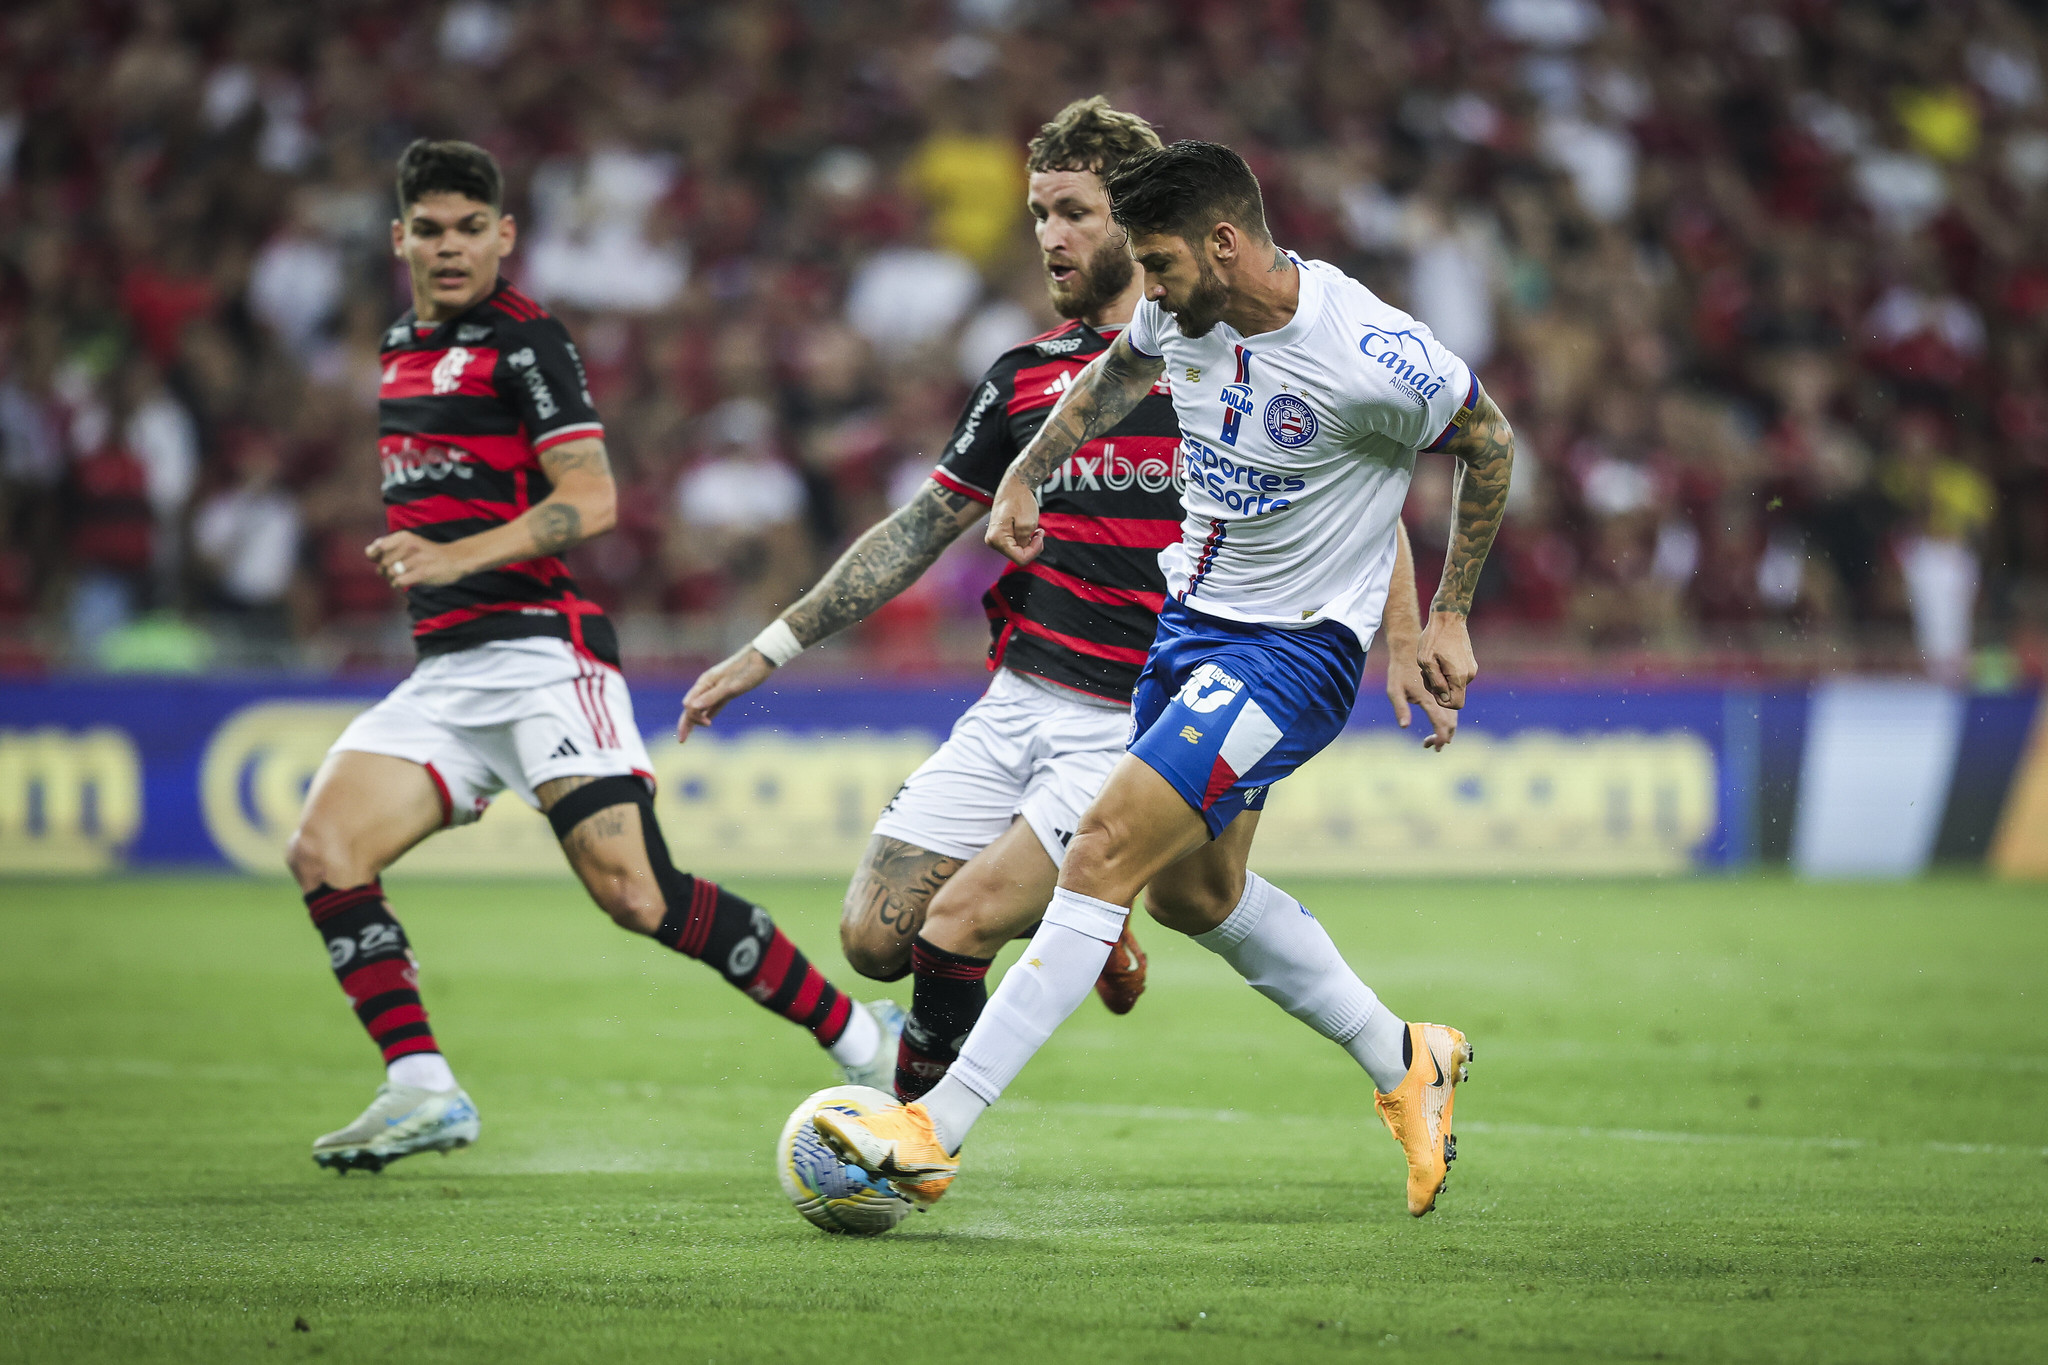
x=778, y=644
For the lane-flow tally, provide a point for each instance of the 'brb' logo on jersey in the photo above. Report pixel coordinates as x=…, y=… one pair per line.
x=1390, y=350
x=447, y=377
x=1237, y=397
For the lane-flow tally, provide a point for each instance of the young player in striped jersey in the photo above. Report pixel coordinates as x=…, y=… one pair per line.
x=1303, y=401
x=494, y=465
x=965, y=857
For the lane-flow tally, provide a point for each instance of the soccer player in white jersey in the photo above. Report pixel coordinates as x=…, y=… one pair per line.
x=967, y=854
x=1302, y=400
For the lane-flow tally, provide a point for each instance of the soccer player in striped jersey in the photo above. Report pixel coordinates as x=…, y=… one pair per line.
x=965, y=856
x=1303, y=402
x=494, y=465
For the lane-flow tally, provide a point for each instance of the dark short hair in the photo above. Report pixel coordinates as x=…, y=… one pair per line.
x=1186, y=189
x=428, y=167
x=1088, y=135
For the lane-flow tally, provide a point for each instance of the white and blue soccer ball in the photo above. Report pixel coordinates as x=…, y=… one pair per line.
x=829, y=1192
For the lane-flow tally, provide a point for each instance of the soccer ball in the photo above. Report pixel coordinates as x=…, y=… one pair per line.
x=832, y=1194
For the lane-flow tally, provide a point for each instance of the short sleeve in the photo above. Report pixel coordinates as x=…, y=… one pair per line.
x=1418, y=387
x=981, y=448
x=1144, y=332
x=542, y=378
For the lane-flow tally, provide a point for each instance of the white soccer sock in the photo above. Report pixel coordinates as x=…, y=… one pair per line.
x=1048, y=983
x=421, y=1070
x=856, y=1043
x=1282, y=950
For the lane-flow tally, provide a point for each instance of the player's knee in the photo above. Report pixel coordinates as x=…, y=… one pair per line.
x=1188, y=909
x=879, y=957
x=638, y=909
x=317, y=857
x=1092, y=866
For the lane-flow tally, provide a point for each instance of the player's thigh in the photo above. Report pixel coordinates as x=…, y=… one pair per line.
x=1002, y=891
x=887, y=901
x=608, y=850
x=1198, y=892
x=1139, y=825
x=578, y=728
x=362, y=811
x=958, y=802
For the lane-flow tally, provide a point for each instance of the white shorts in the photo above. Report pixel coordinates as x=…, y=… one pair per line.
x=512, y=713
x=1028, y=748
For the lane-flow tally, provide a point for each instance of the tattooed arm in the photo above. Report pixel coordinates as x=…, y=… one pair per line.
x=1485, y=452
x=585, y=503
x=1102, y=395
x=874, y=569
x=882, y=563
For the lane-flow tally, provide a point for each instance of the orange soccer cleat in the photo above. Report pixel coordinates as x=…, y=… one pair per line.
x=1418, y=1112
x=896, y=1144
x=1123, y=976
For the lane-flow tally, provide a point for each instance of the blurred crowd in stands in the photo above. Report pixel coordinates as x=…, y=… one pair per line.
x=1763, y=286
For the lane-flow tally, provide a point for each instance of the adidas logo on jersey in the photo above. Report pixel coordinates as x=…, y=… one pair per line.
x=566, y=749
x=1059, y=385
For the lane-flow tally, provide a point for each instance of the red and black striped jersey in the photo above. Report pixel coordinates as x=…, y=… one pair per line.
x=463, y=413
x=1082, y=614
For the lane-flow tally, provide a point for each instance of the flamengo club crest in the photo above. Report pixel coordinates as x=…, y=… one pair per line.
x=1290, y=422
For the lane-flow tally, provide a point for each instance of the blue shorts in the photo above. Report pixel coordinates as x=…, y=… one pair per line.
x=1223, y=709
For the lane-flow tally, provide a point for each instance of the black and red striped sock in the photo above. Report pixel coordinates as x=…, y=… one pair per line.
x=707, y=922
x=950, y=993
x=375, y=966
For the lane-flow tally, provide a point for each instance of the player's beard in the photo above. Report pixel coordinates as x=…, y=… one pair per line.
x=1205, y=303
x=1096, y=284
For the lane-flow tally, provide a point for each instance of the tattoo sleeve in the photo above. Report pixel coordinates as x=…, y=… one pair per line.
x=1485, y=452
x=883, y=562
x=893, y=888
x=1103, y=395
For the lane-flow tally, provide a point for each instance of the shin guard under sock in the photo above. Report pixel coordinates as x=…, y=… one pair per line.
x=1056, y=973
x=709, y=923
x=1281, y=950
x=375, y=966
x=948, y=998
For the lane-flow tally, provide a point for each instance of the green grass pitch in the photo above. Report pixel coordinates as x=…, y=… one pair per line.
x=1708, y=1120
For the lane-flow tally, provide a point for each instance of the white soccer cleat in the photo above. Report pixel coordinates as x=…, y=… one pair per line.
x=403, y=1119
x=879, y=1071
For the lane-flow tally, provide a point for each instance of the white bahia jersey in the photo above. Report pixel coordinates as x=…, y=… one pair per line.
x=1296, y=451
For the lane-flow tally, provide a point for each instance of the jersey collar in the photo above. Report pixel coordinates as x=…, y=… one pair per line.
x=416, y=322
x=1307, y=309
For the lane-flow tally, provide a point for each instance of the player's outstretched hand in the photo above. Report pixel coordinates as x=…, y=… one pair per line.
x=1405, y=688
x=719, y=684
x=1013, y=523
x=1448, y=665
x=410, y=561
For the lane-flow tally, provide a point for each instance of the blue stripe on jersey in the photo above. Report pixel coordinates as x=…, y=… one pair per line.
x=1218, y=528
x=1464, y=410
x=1237, y=398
